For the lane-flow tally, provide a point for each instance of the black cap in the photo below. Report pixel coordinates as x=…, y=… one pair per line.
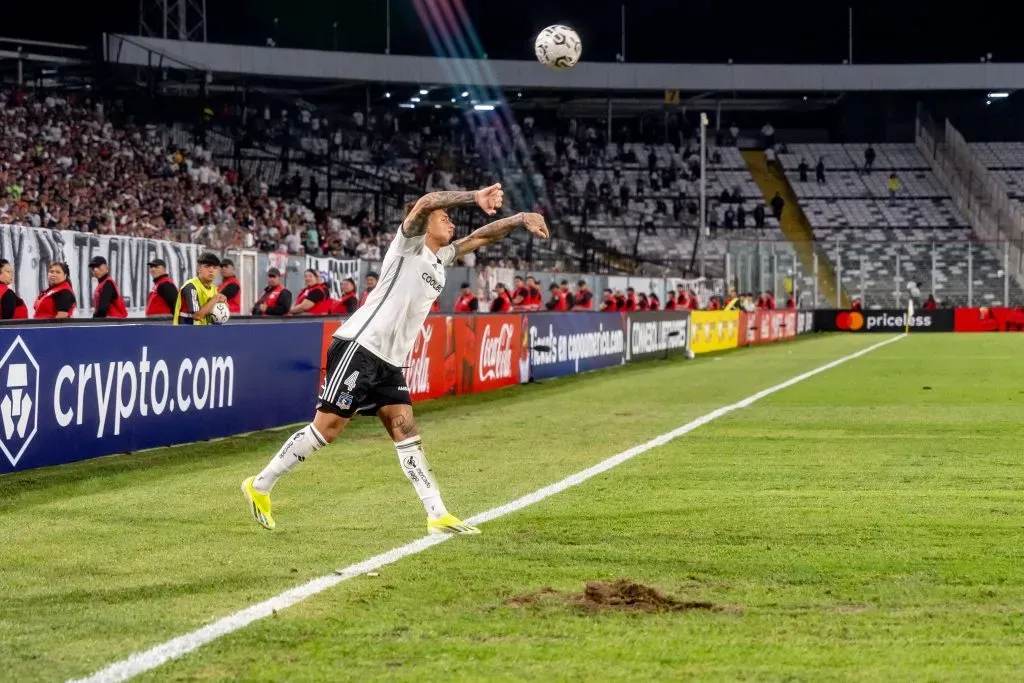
x=464, y=285
x=97, y=261
x=209, y=259
x=273, y=272
x=158, y=262
x=227, y=262
x=582, y=283
x=554, y=285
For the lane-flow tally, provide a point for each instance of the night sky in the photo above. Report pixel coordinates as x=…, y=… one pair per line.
x=656, y=30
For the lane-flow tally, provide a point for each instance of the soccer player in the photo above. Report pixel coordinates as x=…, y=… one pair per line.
x=198, y=296
x=364, y=361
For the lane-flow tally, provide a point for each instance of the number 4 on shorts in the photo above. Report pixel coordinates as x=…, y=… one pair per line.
x=350, y=381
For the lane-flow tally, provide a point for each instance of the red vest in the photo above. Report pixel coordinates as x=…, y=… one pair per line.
x=20, y=309
x=362, y=298
x=630, y=303
x=462, y=303
x=534, y=298
x=235, y=302
x=610, y=304
x=501, y=304
x=580, y=305
x=117, y=308
x=653, y=303
x=321, y=308
x=155, y=305
x=562, y=303
x=670, y=304
x=339, y=306
x=45, y=307
x=270, y=298
x=641, y=305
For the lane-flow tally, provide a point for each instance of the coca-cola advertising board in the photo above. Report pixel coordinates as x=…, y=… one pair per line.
x=489, y=350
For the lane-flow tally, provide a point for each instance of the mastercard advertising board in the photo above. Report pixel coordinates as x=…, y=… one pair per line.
x=714, y=330
x=884, y=320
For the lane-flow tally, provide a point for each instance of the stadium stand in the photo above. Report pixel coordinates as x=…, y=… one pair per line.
x=882, y=237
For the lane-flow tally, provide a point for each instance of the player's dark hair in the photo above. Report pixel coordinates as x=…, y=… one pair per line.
x=350, y=280
x=314, y=271
x=373, y=275
x=3, y=262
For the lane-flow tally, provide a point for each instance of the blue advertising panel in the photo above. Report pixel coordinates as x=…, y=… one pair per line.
x=70, y=393
x=576, y=342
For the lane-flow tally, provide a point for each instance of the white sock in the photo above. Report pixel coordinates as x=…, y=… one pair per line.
x=417, y=469
x=297, y=448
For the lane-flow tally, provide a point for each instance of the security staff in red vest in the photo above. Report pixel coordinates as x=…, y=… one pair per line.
x=670, y=301
x=467, y=301
x=653, y=302
x=371, y=282
x=107, y=301
x=229, y=286
x=583, y=300
x=276, y=299
x=57, y=300
x=558, y=301
x=630, y=300
x=349, y=301
x=502, y=302
x=609, y=304
x=11, y=305
x=164, y=294
x=620, y=299
x=535, y=297
x=520, y=293
x=315, y=299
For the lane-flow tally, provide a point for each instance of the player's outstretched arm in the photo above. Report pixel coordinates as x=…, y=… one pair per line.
x=489, y=199
x=500, y=229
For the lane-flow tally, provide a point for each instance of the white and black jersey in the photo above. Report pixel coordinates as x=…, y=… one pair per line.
x=411, y=278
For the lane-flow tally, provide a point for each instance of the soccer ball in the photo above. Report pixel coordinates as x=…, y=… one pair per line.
x=558, y=47
x=220, y=313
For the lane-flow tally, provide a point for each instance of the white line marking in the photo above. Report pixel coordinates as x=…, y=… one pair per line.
x=141, y=662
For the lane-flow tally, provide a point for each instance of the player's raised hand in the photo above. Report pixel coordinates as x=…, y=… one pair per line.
x=535, y=223
x=489, y=199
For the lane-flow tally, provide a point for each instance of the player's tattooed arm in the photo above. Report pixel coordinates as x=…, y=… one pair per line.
x=489, y=199
x=500, y=229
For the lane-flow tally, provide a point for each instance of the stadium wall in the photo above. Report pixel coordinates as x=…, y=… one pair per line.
x=74, y=392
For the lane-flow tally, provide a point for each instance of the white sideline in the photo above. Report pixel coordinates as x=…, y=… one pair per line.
x=141, y=662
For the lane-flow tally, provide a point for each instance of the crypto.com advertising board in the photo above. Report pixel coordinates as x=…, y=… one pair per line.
x=71, y=393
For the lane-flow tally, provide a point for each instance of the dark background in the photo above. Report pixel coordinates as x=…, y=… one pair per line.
x=656, y=30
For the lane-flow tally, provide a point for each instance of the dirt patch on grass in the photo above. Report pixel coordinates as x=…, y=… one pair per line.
x=628, y=595
x=529, y=598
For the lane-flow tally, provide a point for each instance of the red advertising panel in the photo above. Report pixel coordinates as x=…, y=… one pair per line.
x=988, y=320
x=430, y=366
x=762, y=327
x=488, y=348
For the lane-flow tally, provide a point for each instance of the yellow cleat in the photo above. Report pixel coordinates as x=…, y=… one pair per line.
x=259, y=504
x=450, y=524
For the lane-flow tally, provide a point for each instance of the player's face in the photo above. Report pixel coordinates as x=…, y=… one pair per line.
x=7, y=274
x=227, y=271
x=371, y=282
x=310, y=279
x=207, y=273
x=440, y=227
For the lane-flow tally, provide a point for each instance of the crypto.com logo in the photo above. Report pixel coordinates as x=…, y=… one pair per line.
x=19, y=400
x=850, y=321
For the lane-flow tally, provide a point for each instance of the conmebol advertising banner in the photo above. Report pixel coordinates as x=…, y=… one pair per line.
x=574, y=342
x=893, y=320
x=70, y=393
x=656, y=334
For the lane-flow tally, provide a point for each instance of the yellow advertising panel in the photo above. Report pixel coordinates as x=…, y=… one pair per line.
x=714, y=330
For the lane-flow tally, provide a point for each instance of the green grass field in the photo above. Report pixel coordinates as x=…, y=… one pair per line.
x=864, y=524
